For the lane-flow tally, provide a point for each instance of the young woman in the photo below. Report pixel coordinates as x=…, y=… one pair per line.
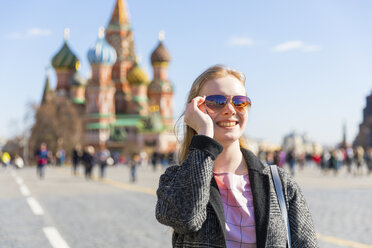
x=221, y=195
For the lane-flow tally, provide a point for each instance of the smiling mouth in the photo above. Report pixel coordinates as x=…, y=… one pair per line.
x=227, y=123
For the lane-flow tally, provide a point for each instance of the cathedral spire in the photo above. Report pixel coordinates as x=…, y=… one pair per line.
x=120, y=16
x=47, y=91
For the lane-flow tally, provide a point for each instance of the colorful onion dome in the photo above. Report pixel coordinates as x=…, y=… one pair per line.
x=137, y=76
x=65, y=58
x=160, y=54
x=102, y=52
x=77, y=80
x=158, y=86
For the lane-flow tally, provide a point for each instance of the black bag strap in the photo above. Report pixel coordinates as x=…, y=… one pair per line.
x=280, y=195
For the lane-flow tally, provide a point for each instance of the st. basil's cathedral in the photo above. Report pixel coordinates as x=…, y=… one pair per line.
x=123, y=110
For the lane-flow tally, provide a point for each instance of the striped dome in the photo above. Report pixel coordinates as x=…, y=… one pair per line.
x=160, y=54
x=102, y=52
x=65, y=59
x=137, y=76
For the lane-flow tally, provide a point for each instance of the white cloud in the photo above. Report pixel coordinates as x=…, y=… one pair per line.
x=296, y=45
x=289, y=45
x=39, y=32
x=240, y=41
x=31, y=32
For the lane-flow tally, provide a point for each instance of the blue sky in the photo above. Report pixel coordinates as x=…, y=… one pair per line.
x=308, y=63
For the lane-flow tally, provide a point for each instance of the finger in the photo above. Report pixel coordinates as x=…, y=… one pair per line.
x=197, y=100
x=201, y=100
x=203, y=108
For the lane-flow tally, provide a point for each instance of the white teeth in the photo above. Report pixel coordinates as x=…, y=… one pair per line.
x=227, y=123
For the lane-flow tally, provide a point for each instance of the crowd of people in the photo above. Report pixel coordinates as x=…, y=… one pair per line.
x=88, y=157
x=355, y=160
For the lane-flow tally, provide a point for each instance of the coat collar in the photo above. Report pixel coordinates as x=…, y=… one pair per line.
x=260, y=185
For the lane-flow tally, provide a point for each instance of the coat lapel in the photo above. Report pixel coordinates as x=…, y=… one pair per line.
x=260, y=186
x=215, y=201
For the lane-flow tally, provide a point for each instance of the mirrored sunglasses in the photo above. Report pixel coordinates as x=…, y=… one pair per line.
x=218, y=102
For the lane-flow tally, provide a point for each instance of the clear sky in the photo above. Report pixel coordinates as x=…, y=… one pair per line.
x=308, y=63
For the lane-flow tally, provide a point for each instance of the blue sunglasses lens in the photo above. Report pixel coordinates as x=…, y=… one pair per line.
x=217, y=102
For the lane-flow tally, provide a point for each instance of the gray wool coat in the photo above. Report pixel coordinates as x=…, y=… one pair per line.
x=190, y=203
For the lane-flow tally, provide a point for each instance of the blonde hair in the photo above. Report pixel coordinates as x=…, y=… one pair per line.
x=213, y=72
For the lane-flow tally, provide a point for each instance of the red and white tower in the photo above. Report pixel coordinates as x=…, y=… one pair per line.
x=100, y=103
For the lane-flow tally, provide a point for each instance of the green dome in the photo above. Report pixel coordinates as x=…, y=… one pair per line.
x=65, y=59
x=137, y=76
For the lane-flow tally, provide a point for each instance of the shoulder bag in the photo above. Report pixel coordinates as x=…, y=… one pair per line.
x=280, y=195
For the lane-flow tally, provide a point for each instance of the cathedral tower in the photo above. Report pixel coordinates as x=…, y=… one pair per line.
x=120, y=36
x=364, y=137
x=139, y=82
x=160, y=90
x=65, y=63
x=100, y=104
x=47, y=93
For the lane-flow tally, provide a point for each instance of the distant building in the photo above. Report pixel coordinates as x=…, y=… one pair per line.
x=301, y=143
x=123, y=110
x=364, y=137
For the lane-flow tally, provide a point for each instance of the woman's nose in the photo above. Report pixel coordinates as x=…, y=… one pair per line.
x=229, y=109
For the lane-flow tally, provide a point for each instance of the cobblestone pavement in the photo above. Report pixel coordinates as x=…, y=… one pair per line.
x=117, y=213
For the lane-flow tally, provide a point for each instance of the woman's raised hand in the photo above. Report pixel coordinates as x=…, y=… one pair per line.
x=197, y=118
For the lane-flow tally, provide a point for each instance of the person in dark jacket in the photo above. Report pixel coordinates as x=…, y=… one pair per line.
x=88, y=161
x=76, y=157
x=221, y=195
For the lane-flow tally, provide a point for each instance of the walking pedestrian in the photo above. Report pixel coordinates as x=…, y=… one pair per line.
x=349, y=158
x=155, y=160
x=41, y=156
x=61, y=156
x=76, y=157
x=332, y=162
x=359, y=157
x=291, y=160
x=88, y=161
x=18, y=162
x=221, y=195
x=5, y=159
x=283, y=157
x=134, y=163
x=103, y=156
x=164, y=160
x=368, y=159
